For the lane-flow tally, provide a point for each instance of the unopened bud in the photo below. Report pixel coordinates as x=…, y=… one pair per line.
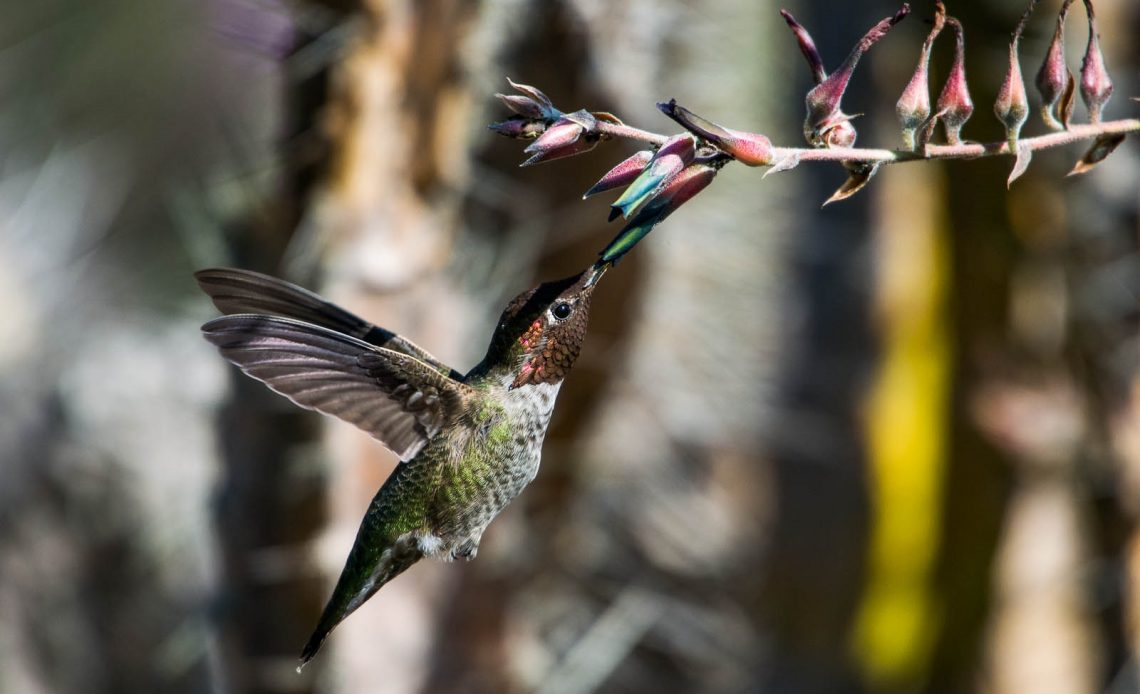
x=622, y=174
x=913, y=107
x=562, y=133
x=1011, y=107
x=677, y=191
x=823, y=101
x=954, y=103
x=751, y=149
x=671, y=158
x=519, y=127
x=1096, y=85
x=563, y=139
x=1053, y=77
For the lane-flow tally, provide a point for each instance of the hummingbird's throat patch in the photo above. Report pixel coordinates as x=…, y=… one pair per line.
x=532, y=370
x=533, y=334
x=548, y=365
x=537, y=370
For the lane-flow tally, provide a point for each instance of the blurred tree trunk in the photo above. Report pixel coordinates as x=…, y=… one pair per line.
x=270, y=502
x=1018, y=524
x=823, y=544
x=1101, y=259
x=388, y=219
x=1024, y=411
x=1106, y=328
x=977, y=483
x=103, y=563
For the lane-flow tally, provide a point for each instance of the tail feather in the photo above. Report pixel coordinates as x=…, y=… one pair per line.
x=355, y=587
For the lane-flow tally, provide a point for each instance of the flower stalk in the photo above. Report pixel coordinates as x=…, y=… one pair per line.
x=671, y=169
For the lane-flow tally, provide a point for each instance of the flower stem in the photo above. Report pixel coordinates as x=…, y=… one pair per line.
x=1075, y=133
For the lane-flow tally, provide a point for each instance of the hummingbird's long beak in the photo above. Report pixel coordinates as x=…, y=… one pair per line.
x=595, y=273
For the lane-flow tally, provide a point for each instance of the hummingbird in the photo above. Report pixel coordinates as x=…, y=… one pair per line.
x=468, y=443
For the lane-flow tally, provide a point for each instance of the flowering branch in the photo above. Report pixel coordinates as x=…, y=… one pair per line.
x=677, y=167
x=974, y=150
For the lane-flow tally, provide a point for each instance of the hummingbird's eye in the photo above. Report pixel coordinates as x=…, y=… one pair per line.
x=562, y=311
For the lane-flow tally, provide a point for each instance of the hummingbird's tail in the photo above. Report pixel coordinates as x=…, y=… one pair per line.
x=357, y=583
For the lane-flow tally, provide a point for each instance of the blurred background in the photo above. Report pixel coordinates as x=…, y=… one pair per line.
x=892, y=445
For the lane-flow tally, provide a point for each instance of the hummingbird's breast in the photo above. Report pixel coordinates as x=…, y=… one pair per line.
x=493, y=460
x=529, y=409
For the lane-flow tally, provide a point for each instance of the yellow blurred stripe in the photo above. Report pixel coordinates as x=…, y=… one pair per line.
x=906, y=427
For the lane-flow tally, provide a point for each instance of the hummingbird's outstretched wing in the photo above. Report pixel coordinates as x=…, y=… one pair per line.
x=393, y=396
x=244, y=291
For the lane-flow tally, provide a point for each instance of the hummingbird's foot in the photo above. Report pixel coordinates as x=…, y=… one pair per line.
x=467, y=550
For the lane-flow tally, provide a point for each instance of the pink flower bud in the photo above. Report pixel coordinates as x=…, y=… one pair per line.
x=622, y=174
x=681, y=145
x=751, y=149
x=823, y=101
x=954, y=103
x=1053, y=77
x=563, y=139
x=561, y=134
x=913, y=107
x=1096, y=85
x=1011, y=107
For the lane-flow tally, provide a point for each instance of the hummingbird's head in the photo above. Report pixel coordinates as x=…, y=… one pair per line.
x=540, y=332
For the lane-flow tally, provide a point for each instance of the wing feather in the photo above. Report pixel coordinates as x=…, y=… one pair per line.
x=392, y=395
x=235, y=291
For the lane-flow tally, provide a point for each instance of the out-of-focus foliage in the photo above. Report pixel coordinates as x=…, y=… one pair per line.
x=890, y=445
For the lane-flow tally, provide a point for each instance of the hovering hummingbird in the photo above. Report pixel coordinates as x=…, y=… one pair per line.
x=468, y=443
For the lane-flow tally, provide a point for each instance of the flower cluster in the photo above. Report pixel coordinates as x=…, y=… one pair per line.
x=673, y=169
x=657, y=181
